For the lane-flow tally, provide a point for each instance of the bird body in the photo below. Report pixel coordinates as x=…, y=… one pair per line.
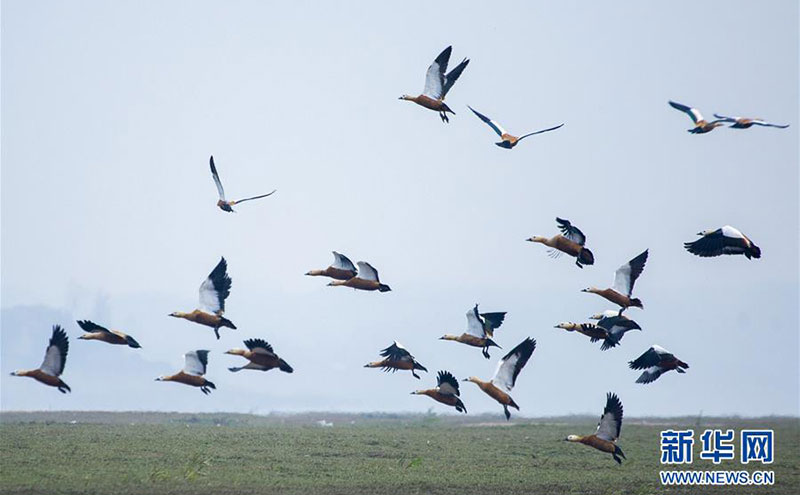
x=195, y=364
x=655, y=362
x=55, y=358
x=213, y=292
x=701, y=125
x=396, y=357
x=437, y=84
x=367, y=279
x=96, y=332
x=725, y=240
x=608, y=430
x=592, y=331
x=624, y=279
x=507, y=141
x=446, y=391
x=261, y=357
x=571, y=241
x=223, y=203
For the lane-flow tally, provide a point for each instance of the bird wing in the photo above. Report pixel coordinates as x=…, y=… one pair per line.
x=570, y=231
x=367, y=272
x=447, y=383
x=491, y=123
x=342, y=262
x=505, y=376
x=717, y=243
x=693, y=113
x=195, y=363
x=611, y=421
x=90, y=326
x=453, y=76
x=617, y=324
x=215, y=289
x=474, y=325
x=259, y=346
x=396, y=352
x=627, y=274
x=434, y=78
x=215, y=175
x=254, y=197
x=723, y=118
x=767, y=124
x=540, y=132
x=491, y=321
x=55, y=356
x=651, y=357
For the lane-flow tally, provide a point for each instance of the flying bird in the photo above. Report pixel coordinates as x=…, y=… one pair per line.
x=446, y=391
x=480, y=329
x=192, y=373
x=341, y=269
x=624, y=278
x=746, y=123
x=505, y=376
x=224, y=204
x=396, y=357
x=608, y=430
x=571, y=241
x=261, y=357
x=725, y=240
x=55, y=357
x=616, y=327
x=701, y=125
x=437, y=84
x=367, y=279
x=594, y=332
x=96, y=332
x=213, y=292
x=507, y=140
x=655, y=362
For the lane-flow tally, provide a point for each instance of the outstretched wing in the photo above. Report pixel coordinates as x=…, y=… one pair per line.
x=434, y=78
x=491, y=123
x=570, y=231
x=627, y=274
x=216, y=288
x=55, y=356
x=611, y=421
x=474, y=324
x=215, y=175
x=254, y=197
x=693, y=113
x=447, y=383
x=767, y=124
x=453, y=76
x=91, y=327
x=259, y=346
x=367, y=272
x=505, y=376
x=540, y=132
x=651, y=357
x=723, y=118
x=396, y=352
x=195, y=363
x=342, y=262
x=491, y=321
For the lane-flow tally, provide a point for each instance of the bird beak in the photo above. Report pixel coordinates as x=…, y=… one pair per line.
x=529, y=239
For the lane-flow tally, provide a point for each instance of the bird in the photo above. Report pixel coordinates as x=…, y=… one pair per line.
x=396, y=357
x=746, y=123
x=505, y=376
x=96, y=332
x=437, y=84
x=624, y=278
x=616, y=326
x=341, y=269
x=213, y=292
x=223, y=203
x=571, y=241
x=367, y=279
x=446, y=391
x=55, y=357
x=591, y=330
x=725, y=240
x=701, y=125
x=608, y=430
x=192, y=373
x=655, y=362
x=261, y=357
x=507, y=140
x=479, y=331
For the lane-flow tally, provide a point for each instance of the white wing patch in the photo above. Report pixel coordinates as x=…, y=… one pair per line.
x=504, y=374
x=474, y=324
x=447, y=389
x=209, y=297
x=342, y=262
x=434, y=79
x=367, y=272
x=52, y=361
x=622, y=280
x=732, y=232
x=193, y=364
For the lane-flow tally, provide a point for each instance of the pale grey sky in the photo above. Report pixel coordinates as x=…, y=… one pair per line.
x=111, y=109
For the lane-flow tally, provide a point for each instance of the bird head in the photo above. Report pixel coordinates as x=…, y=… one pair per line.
x=572, y=438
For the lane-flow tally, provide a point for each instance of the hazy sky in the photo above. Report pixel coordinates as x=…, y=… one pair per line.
x=110, y=111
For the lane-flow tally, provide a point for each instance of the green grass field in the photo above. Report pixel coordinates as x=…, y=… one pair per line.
x=126, y=453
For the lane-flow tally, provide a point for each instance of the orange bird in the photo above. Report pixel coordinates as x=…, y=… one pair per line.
x=55, y=357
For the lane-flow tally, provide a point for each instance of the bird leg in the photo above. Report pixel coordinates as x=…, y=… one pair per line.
x=443, y=116
x=508, y=414
x=216, y=332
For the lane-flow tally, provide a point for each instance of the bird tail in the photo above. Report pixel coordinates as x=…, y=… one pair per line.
x=284, y=366
x=224, y=322
x=636, y=303
x=513, y=404
x=132, y=342
x=210, y=385
x=754, y=252
x=384, y=288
